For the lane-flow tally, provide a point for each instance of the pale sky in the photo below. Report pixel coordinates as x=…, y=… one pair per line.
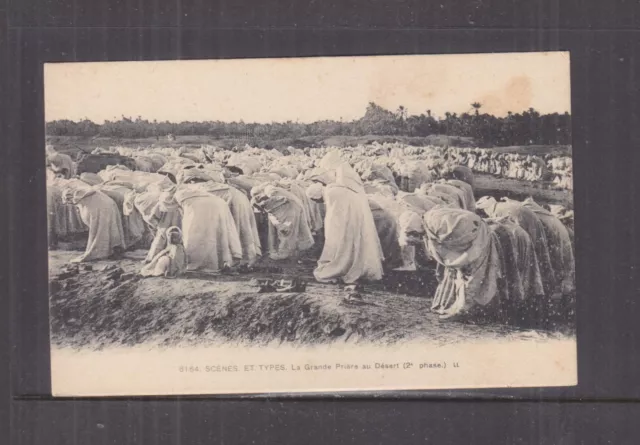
x=306, y=89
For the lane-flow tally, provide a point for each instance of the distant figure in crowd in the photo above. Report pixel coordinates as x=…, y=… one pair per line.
x=469, y=198
x=412, y=174
x=443, y=188
x=91, y=178
x=463, y=173
x=61, y=164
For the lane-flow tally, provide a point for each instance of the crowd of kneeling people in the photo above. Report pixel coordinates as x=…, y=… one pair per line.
x=209, y=217
x=557, y=170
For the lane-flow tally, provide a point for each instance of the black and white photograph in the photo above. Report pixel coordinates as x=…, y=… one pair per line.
x=310, y=225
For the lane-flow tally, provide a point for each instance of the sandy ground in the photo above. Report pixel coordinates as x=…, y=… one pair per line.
x=91, y=310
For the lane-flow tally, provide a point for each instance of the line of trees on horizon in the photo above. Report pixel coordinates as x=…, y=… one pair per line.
x=526, y=128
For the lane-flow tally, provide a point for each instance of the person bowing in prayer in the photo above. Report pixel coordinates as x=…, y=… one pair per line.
x=352, y=249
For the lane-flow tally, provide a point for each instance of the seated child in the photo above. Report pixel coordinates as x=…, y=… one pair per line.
x=170, y=262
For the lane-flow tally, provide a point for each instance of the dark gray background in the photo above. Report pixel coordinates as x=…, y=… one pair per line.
x=603, y=38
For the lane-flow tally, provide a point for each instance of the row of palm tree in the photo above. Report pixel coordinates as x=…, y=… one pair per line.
x=527, y=127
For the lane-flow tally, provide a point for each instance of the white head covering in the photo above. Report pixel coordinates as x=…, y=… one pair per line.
x=76, y=190
x=487, y=203
x=347, y=177
x=188, y=174
x=314, y=191
x=269, y=190
x=91, y=178
x=258, y=191
x=321, y=175
x=331, y=161
x=409, y=221
x=174, y=229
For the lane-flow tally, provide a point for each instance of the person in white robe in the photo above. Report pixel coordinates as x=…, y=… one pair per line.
x=352, y=249
x=139, y=180
x=244, y=164
x=331, y=161
x=171, y=262
x=289, y=231
x=442, y=187
x=411, y=228
x=412, y=207
x=522, y=277
x=159, y=211
x=560, y=248
x=294, y=187
x=320, y=175
x=132, y=222
x=144, y=164
x=529, y=221
x=378, y=179
x=386, y=222
x=91, y=178
x=60, y=163
x=462, y=173
x=444, y=198
x=413, y=174
x=316, y=208
x=419, y=202
x=468, y=261
x=63, y=220
x=100, y=213
x=243, y=216
x=243, y=183
x=469, y=198
x=210, y=235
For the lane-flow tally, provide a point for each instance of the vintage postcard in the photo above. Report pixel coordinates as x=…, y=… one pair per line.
x=310, y=224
